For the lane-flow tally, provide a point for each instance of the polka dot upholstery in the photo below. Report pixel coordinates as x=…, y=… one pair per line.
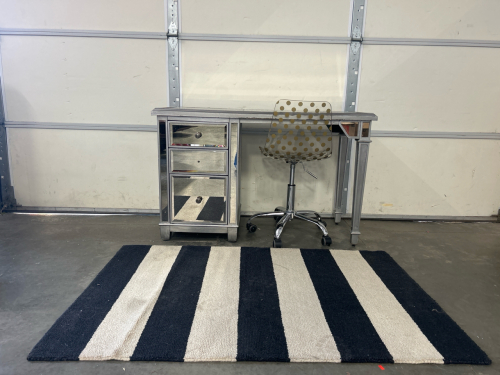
x=299, y=131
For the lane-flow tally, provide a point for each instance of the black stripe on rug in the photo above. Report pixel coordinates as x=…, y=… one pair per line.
x=72, y=331
x=261, y=336
x=167, y=331
x=356, y=338
x=213, y=209
x=446, y=336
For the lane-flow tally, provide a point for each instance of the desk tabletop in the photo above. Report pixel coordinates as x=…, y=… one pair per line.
x=250, y=114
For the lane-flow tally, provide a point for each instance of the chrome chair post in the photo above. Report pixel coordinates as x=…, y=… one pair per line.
x=290, y=198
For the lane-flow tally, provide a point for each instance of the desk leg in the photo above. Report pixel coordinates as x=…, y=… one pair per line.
x=362, y=147
x=342, y=167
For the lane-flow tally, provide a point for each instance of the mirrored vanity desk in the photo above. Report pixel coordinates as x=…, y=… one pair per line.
x=199, y=166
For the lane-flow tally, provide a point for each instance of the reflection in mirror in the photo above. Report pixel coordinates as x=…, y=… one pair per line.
x=200, y=135
x=162, y=140
x=199, y=199
x=198, y=161
x=365, y=132
x=351, y=128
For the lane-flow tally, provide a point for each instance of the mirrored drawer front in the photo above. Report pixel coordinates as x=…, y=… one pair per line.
x=197, y=199
x=198, y=161
x=198, y=135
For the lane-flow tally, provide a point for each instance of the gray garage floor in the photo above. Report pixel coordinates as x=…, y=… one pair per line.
x=47, y=261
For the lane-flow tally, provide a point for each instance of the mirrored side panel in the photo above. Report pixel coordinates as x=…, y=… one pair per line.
x=198, y=135
x=198, y=199
x=234, y=192
x=162, y=152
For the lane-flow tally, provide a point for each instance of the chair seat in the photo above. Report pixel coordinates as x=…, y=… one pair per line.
x=299, y=131
x=295, y=156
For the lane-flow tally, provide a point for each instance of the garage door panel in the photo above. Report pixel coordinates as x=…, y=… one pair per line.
x=116, y=15
x=444, y=177
x=84, y=168
x=431, y=19
x=262, y=17
x=83, y=80
x=255, y=75
x=431, y=88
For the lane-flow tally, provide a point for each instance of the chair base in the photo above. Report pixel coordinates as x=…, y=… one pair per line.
x=282, y=216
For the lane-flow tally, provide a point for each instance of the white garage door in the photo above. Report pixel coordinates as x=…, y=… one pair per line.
x=79, y=80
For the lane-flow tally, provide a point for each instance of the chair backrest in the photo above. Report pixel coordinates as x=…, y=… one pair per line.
x=299, y=131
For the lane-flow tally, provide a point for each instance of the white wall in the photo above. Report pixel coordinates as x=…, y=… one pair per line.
x=255, y=75
x=431, y=88
x=83, y=80
x=433, y=19
x=264, y=17
x=443, y=177
x=117, y=15
x=84, y=168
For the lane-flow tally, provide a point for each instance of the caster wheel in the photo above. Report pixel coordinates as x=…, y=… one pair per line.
x=251, y=227
x=326, y=241
x=277, y=243
x=323, y=222
x=277, y=218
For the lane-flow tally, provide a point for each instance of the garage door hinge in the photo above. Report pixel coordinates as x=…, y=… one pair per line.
x=173, y=43
x=172, y=29
x=356, y=34
x=355, y=46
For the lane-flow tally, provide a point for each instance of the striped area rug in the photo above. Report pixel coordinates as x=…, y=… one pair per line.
x=194, y=303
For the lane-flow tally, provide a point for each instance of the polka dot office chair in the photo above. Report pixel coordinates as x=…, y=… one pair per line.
x=299, y=132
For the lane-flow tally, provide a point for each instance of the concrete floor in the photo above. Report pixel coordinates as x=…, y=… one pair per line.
x=47, y=261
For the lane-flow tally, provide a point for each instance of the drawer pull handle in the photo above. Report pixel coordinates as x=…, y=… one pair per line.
x=199, y=199
x=198, y=135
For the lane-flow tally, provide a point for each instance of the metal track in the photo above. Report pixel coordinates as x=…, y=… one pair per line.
x=251, y=38
x=246, y=130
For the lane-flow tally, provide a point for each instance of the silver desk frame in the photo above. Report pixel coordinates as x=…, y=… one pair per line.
x=260, y=118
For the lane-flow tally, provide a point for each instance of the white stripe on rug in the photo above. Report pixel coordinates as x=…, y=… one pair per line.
x=400, y=334
x=308, y=335
x=214, y=332
x=118, y=334
x=191, y=210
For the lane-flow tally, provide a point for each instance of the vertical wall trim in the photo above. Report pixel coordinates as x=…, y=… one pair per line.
x=357, y=24
x=165, y=21
x=7, y=199
x=173, y=68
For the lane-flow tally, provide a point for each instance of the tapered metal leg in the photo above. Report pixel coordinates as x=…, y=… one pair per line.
x=232, y=234
x=269, y=214
x=281, y=224
x=319, y=224
x=362, y=147
x=308, y=212
x=343, y=166
x=165, y=232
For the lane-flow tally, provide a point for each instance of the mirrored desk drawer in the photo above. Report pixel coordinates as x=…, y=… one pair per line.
x=198, y=134
x=198, y=199
x=198, y=161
